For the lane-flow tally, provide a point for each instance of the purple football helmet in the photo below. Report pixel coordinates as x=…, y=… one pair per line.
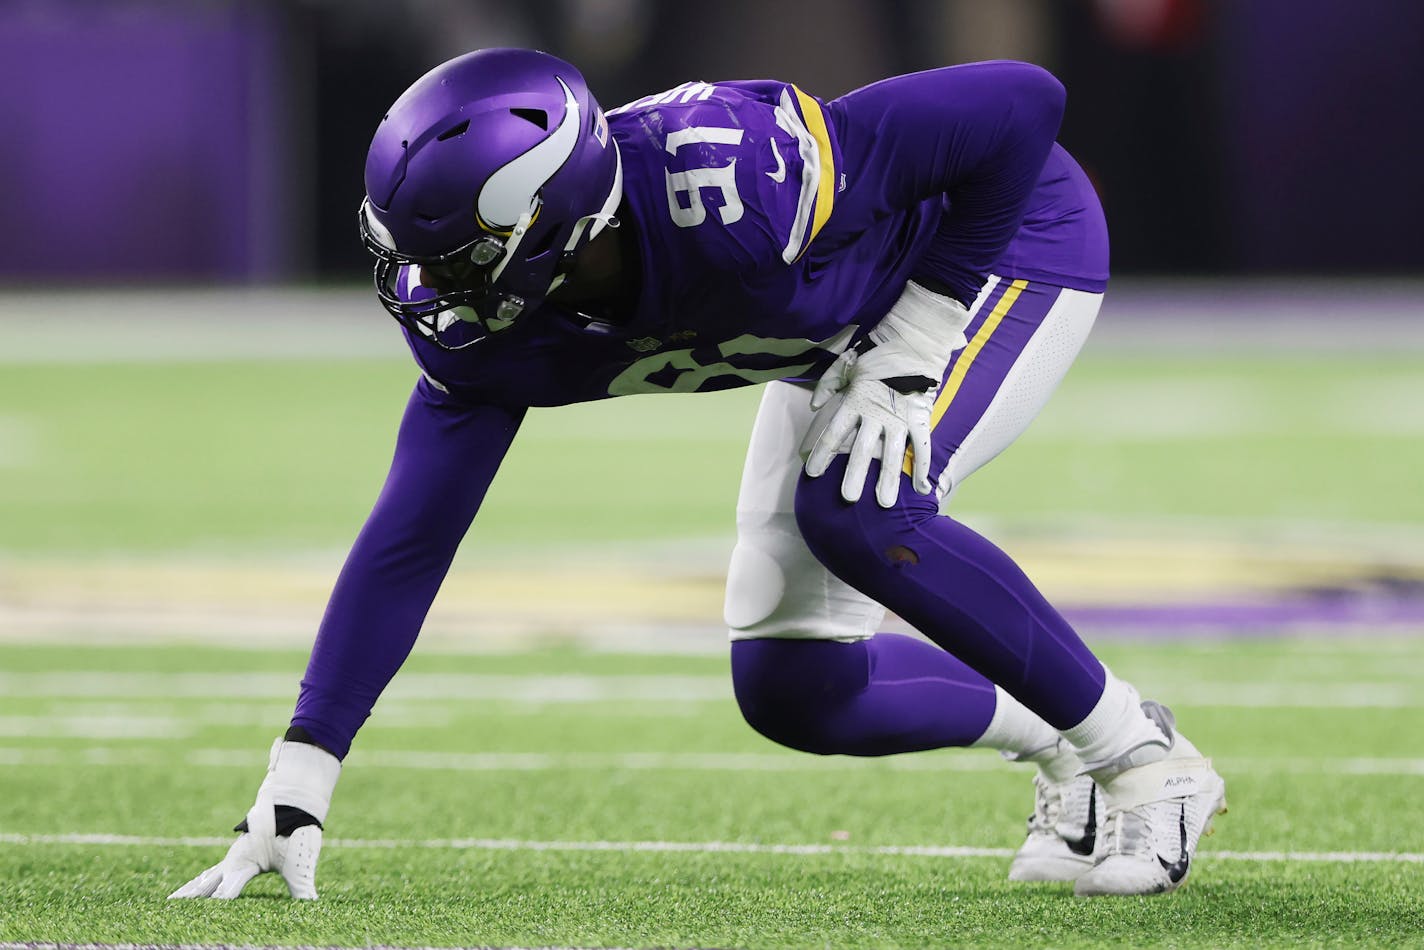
x=489, y=174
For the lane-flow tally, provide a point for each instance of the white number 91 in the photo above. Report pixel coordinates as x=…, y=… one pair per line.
x=691, y=182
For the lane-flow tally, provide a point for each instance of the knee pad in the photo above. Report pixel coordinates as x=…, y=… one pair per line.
x=777, y=588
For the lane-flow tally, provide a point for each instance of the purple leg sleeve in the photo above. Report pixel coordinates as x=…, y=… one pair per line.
x=956, y=588
x=879, y=696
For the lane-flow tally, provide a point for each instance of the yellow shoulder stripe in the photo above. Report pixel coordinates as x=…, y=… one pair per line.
x=815, y=119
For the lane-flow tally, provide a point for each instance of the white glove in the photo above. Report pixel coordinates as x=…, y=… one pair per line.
x=888, y=391
x=871, y=420
x=302, y=776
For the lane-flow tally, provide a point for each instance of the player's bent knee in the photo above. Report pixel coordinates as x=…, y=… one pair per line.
x=839, y=533
x=756, y=582
x=793, y=691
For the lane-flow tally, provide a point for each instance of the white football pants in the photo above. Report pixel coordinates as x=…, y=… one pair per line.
x=1023, y=336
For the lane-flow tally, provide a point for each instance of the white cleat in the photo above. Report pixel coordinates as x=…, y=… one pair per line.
x=1067, y=809
x=1062, y=831
x=1155, y=815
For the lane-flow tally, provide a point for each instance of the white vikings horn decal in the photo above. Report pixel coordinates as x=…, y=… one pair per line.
x=510, y=191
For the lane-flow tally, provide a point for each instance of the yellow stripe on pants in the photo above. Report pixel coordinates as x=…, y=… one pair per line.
x=966, y=360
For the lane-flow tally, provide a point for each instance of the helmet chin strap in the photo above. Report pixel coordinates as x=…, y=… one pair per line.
x=595, y=223
x=521, y=228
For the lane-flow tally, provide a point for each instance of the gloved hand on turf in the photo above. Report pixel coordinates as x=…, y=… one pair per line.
x=887, y=385
x=282, y=831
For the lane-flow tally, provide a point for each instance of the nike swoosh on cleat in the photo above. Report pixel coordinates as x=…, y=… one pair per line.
x=1084, y=845
x=779, y=175
x=1177, y=870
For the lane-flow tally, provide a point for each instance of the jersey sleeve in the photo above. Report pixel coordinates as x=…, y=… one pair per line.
x=974, y=136
x=740, y=174
x=446, y=456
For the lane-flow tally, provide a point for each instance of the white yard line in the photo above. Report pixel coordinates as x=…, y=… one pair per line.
x=149, y=720
x=958, y=762
x=571, y=688
x=1383, y=695
x=108, y=726
x=1398, y=693
x=514, y=761
x=682, y=847
x=632, y=761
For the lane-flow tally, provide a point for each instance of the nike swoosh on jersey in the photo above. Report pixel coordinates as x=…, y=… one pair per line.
x=779, y=175
x=1177, y=870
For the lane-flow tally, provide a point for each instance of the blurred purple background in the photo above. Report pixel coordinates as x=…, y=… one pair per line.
x=161, y=140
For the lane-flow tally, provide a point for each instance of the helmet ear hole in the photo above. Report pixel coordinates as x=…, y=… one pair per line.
x=453, y=131
x=537, y=116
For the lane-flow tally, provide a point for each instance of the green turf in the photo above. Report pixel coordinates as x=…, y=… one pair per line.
x=1283, y=764
x=1319, y=740
x=268, y=456
x=422, y=898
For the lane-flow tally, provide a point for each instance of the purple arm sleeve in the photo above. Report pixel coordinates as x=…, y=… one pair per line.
x=446, y=456
x=978, y=134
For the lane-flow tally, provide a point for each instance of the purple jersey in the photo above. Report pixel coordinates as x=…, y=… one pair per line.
x=758, y=262
x=1063, y=239
x=773, y=230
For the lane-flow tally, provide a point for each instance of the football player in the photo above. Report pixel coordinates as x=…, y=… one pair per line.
x=910, y=269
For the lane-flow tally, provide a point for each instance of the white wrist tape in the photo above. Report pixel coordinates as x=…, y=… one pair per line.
x=917, y=337
x=300, y=775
